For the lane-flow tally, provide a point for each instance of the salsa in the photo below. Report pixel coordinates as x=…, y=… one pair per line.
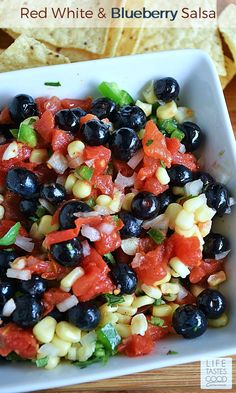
x=106, y=241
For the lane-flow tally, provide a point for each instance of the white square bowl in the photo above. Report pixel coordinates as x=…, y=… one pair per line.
x=201, y=91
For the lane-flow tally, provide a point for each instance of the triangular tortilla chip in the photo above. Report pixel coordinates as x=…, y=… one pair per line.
x=227, y=25
x=231, y=72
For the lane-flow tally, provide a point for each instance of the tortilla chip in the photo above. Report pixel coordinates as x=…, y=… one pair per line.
x=91, y=40
x=77, y=55
x=115, y=35
x=227, y=26
x=165, y=39
x=26, y=52
x=129, y=41
x=231, y=72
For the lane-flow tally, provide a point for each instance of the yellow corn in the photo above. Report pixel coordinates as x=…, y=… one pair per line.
x=198, y=234
x=216, y=279
x=72, y=353
x=75, y=148
x=141, y=133
x=34, y=232
x=128, y=300
x=184, y=220
x=69, y=280
x=105, y=309
x=1, y=198
x=173, y=306
x=163, y=280
x=81, y=189
x=126, y=205
x=164, y=310
x=186, y=233
x=179, y=267
x=123, y=318
x=139, y=324
x=108, y=318
x=123, y=330
x=167, y=111
x=147, y=108
x=103, y=200
x=172, y=212
x=85, y=352
x=116, y=201
x=46, y=226
x=219, y=322
x=162, y=176
x=70, y=182
x=170, y=288
x=127, y=310
x=68, y=332
x=191, y=205
x=196, y=289
x=45, y=329
x=39, y=156
x=142, y=301
x=174, y=274
x=62, y=345
x=151, y=291
x=53, y=362
x=184, y=114
x=148, y=93
x=204, y=213
x=170, y=297
x=205, y=227
x=2, y=212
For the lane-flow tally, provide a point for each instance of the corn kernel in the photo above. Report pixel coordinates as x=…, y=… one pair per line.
x=69, y=280
x=219, y=322
x=139, y=324
x=81, y=189
x=126, y=205
x=184, y=220
x=197, y=233
x=70, y=182
x=75, y=148
x=34, y=232
x=116, y=201
x=39, y=156
x=172, y=212
x=170, y=297
x=147, y=108
x=45, y=329
x=204, y=213
x=164, y=310
x=103, y=200
x=1, y=198
x=216, y=279
x=45, y=225
x=62, y=345
x=185, y=233
x=191, y=205
x=205, y=227
x=141, y=133
x=179, y=267
x=184, y=114
x=128, y=300
x=123, y=318
x=141, y=301
x=163, y=280
x=105, y=309
x=68, y=332
x=162, y=176
x=170, y=288
x=123, y=330
x=196, y=290
x=148, y=93
x=72, y=354
x=167, y=111
x=174, y=307
x=2, y=212
x=151, y=291
x=174, y=274
x=53, y=362
x=85, y=352
x=128, y=310
x=108, y=318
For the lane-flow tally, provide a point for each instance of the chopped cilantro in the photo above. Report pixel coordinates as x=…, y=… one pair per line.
x=112, y=300
x=149, y=142
x=56, y=84
x=172, y=353
x=91, y=202
x=100, y=355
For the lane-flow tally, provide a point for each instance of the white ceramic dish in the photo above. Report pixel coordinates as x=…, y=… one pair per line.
x=200, y=90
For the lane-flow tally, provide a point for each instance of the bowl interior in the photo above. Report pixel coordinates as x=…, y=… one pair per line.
x=201, y=91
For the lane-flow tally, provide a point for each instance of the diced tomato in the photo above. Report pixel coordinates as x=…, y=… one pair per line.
x=153, y=185
x=109, y=242
x=86, y=118
x=188, y=299
x=150, y=267
x=50, y=270
x=187, y=249
x=85, y=104
x=52, y=104
x=45, y=126
x=5, y=116
x=123, y=168
x=95, y=281
x=21, y=341
x=23, y=154
x=186, y=159
x=11, y=207
x=205, y=269
x=154, y=144
x=40, y=101
x=52, y=297
x=100, y=156
x=146, y=244
x=158, y=332
x=136, y=345
x=60, y=140
x=122, y=257
x=104, y=183
x=173, y=145
x=45, y=174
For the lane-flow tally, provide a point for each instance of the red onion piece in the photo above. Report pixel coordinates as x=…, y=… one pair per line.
x=91, y=233
x=67, y=303
x=136, y=159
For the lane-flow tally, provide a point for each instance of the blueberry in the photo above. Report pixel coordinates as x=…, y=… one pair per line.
x=217, y=197
x=69, y=119
x=215, y=244
x=212, y=303
x=179, y=175
x=132, y=227
x=28, y=311
x=86, y=316
x=68, y=253
x=166, y=89
x=54, y=193
x=130, y=116
x=5, y=134
x=21, y=107
x=165, y=199
x=58, y=315
x=192, y=135
x=21, y=181
x=124, y=278
x=124, y=143
x=66, y=215
x=36, y=286
x=7, y=291
x=5, y=258
x=28, y=207
x=104, y=108
x=189, y=321
x=145, y=206
x=95, y=132
x=206, y=178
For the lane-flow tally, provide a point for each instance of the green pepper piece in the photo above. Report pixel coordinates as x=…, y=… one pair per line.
x=111, y=90
x=169, y=125
x=156, y=235
x=26, y=133
x=85, y=172
x=10, y=237
x=109, y=337
x=178, y=135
